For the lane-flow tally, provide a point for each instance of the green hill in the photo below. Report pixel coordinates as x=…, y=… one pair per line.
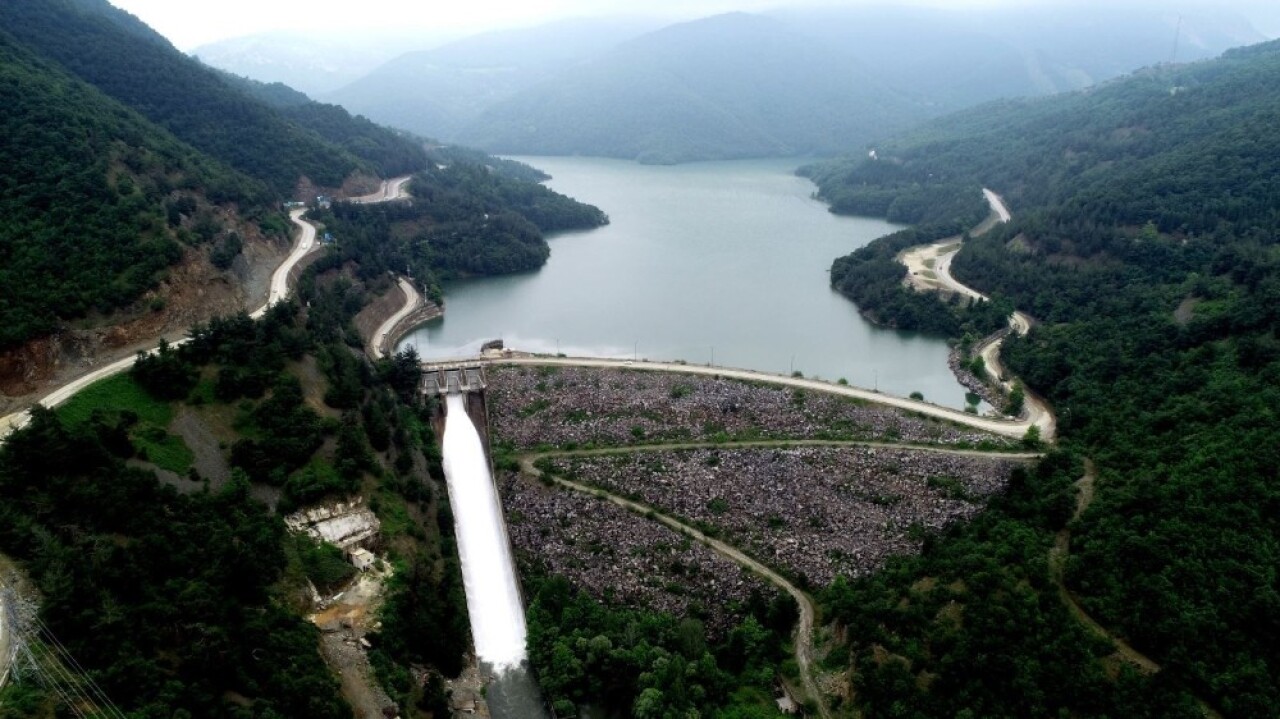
x=392, y=153
x=122, y=57
x=89, y=190
x=1143, y=242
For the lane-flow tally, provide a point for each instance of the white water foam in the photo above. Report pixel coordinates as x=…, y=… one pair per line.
x=488, y=572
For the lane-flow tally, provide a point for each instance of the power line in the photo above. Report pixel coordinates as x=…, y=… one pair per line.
x=36, y=652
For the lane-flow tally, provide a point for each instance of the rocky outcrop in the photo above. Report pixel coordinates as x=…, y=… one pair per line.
x=982, y=387
x=346, y=525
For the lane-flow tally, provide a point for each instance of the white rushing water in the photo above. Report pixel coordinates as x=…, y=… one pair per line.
x=488, y=572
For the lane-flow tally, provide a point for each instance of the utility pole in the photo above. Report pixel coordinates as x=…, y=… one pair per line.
x=635, y=351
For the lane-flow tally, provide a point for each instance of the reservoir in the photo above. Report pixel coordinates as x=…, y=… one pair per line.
x=718, y=262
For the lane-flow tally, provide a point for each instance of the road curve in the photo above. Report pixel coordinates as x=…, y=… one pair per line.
x=1058, y=555
x=804, y=628
x=280, y=278
x=411, y=302
x=393, y=189
x=929, y=268
x=278, y=291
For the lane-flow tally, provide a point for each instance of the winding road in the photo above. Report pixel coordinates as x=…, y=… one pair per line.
x=412, y=300
x=393, y=189
x=278, y=292
x=1037, y=412
x=804, y=628
x=929, y=268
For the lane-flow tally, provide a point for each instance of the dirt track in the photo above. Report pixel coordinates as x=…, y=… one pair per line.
x=804, y=629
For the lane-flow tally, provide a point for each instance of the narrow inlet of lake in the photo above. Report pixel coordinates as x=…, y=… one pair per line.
x=719, y=262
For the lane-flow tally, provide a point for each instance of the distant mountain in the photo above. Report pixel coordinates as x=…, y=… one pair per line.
x=437, y=92
x=313, y=63
x=728, y=86
x=785, y=82
x=954, y=58
x=119, y=55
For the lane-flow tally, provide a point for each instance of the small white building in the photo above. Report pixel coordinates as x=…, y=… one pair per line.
x=362, y=559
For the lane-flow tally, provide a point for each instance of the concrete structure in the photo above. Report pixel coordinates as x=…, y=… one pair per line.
x=453, y=379
x=362, y=559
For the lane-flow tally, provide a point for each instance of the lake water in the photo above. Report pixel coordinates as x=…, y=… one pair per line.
x=723, y=262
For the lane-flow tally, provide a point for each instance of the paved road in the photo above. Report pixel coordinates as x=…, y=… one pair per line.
x=1006, y=427
x=280, y=278
x=997, y=205
x=411, y=302
x=804, y=629
x=279, y=291
x=779, y=443
x=394, y=189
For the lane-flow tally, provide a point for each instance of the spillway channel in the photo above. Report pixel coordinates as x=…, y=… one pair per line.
x=488, y=569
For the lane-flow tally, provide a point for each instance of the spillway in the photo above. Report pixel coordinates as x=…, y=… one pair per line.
x=488, y=569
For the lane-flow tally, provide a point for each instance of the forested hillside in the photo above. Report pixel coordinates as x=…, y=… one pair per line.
x=93, y=198
x=137, y=510
x=1143, y=242
x=391, y=152
x=122, y=57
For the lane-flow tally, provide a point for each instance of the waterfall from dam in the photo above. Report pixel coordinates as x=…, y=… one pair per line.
x=488, y=569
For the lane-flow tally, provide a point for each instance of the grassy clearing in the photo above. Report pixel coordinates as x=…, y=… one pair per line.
x=166, y=451
x=112, y=398
x=114, y=395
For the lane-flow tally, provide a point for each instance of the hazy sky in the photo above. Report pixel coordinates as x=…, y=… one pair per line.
x=190, y=24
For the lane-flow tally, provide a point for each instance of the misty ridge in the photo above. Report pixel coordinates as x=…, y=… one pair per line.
x=787, y=82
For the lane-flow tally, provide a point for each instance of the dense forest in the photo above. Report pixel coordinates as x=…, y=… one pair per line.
x=649, y=665
x=119, y=55
x=392, y=153
x=96, y=201
x=121, y=157
x=464, y=220
x=118, y=529
x=1143, y=244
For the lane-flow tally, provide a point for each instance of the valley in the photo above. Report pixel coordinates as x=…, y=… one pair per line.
x=849, y=362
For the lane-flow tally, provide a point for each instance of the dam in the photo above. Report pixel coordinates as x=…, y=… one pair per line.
x=494, y=601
